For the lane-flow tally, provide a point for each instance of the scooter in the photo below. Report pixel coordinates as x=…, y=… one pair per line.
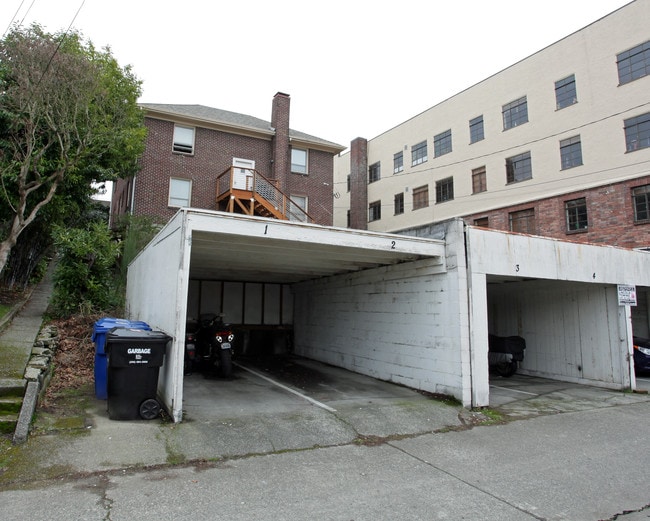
x=214, y=345
x=505, y=353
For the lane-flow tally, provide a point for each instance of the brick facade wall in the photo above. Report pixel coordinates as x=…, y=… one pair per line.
x=610, y=216
x=213, y=154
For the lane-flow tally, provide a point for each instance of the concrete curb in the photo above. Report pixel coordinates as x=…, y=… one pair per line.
x=27, y=412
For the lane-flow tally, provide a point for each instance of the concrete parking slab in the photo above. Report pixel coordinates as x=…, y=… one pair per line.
x=523, y=396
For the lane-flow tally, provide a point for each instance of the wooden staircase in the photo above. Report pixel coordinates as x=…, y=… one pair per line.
x=245, y=190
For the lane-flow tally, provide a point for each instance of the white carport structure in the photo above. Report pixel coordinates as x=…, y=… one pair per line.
x=561, y=297
x=413, y=308
x=201, y=244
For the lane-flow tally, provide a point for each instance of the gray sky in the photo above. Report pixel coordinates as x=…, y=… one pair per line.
x=353, y=68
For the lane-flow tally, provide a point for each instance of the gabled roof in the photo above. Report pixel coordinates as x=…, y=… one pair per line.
x=234, y=120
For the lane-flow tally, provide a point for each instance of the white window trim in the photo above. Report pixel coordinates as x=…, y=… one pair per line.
x=193, y=130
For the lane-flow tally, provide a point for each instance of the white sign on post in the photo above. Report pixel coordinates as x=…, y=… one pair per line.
x=626, y=295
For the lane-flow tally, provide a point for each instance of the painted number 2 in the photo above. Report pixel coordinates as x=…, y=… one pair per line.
x=392, y=245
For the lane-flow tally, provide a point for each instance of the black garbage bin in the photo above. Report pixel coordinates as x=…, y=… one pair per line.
x=134, y=360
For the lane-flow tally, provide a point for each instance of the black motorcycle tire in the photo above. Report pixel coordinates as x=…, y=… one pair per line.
x=506, y=369
x=225, y=359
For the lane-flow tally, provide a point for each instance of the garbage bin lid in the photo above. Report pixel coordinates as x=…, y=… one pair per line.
x=120, y=334
x=107, y=323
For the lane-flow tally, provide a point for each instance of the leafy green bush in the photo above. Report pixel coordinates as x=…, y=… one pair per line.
x=84, y=278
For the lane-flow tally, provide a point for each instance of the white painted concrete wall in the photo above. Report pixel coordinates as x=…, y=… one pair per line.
x=572, y=330
x=405, y=323
x=157, y=285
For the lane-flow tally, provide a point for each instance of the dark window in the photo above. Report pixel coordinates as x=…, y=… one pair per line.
x=641, y=202
x=519, y=168
x=183, y=140
x=445, y=190
x=476, y=132
x=442, y=143
x=482, y=222
x=398, y=162
x=479, y=180
x=570, y=152
x=374, y=211
x=633, y=64
x=399, y=203
x=349, y=182
x=419, y=153
x=421, y=197
x=374, y=173
x=576, y=215
x=637, y=132
x=515, y=113
x=349, y=219
x=565, y=92
x=523, y=221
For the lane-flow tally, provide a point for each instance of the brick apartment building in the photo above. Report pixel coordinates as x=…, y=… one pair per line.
x=202, y=157
x=557, y=144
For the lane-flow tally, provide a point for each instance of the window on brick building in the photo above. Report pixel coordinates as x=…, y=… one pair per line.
x=374, y=211
x=522, y=221
x=419, y=153
x=442, y=143
x=570, y=152
x=483, y=222
x=183, y=140
x=576, y=215
x=634, y=63
x=374, y=172
x=398, y=162
x=399, y=203
x=421, y=197
x=445, y=190
x=298, y=208
x=519, y=168
x=565, y=92
x=476, y=131
x=298, y=161
x=637, y=132
x=641, y=203
x=348, y=182
x=180, y=191
x=515, y=113
x=479, y=180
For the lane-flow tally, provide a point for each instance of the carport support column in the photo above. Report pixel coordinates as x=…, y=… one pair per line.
x=478, y=326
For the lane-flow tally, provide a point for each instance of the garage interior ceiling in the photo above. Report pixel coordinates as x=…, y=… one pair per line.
x=227, y=256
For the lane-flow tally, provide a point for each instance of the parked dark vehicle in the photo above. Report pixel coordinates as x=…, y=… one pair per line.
x=641, y=355
x=191, y=362
x=505, y=353
x=213, y=346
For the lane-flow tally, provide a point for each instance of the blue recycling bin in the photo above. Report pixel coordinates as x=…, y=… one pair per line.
x=101, y=328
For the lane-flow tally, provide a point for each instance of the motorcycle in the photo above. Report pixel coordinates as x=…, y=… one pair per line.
x=213, y=345
x=191, y=361
x=505, y=353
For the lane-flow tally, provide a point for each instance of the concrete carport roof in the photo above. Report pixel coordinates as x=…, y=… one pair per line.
x=210, y=245
x=242, y=248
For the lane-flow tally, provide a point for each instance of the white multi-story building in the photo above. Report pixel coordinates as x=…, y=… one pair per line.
x=557, y=144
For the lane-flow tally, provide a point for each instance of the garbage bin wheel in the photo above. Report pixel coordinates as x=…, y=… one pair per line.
x=149, y=409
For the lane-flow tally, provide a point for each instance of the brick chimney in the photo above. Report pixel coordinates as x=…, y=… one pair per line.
x=280, y=143
x=359, y=184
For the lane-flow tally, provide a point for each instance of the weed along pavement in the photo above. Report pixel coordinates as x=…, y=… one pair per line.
x=301, y=440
